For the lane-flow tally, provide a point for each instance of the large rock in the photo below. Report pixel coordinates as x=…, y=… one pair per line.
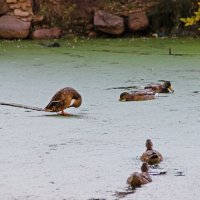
x=108, y=23
x=12, y=27
x=47, y=33
x=3, y=7
x=138, y=21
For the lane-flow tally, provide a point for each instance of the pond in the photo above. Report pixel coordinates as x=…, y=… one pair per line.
x=92, y=153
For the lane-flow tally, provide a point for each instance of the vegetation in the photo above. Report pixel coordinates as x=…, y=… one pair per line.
x=167, y=13
x=189, y=21
x=57, y=15
x=76, y=16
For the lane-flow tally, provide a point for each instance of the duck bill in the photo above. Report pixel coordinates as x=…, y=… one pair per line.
x=170, y=89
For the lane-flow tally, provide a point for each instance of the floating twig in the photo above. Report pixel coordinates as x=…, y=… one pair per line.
x=22, y=106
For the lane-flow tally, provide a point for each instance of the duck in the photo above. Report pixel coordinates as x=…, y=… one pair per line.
x=151, y=156
x=137, y=179
x=139, y=95
x=64, y=98
x=166, y=87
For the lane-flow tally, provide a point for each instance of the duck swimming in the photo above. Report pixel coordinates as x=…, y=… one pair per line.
x=137, y=179
x=160, y=88
x=151, y=156
x=140, y=95
x=64, y=98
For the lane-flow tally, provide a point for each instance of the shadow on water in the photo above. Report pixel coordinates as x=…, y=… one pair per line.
x=145, y=53
x=59, y=116
x=196, y=92
x=120, y=195
x=158, y=173
x=73, y=55
x=114, y=63
x=122, y=52
x=157, y=170
x=49, y=44
x=129, y=190
x=97, y=199
x=178, y=173
x=132, y=86
x=124, y=88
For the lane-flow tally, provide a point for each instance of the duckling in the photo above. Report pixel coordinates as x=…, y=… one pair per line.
x=140, y=95
x=64, y=98
x=137, y=179
x=151, y=156
x=161, y=88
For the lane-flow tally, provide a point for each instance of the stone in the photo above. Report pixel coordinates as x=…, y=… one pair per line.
x=20, y=13
x=28, y=4
x=25, y=6
x=3, y=7
x=13, y=6
x=108, y=23
x=13, y=28
x=11, y=1
x=47, y=33
x=27, y=19
x=37, y=19
x=138, y=21
x=92, y=34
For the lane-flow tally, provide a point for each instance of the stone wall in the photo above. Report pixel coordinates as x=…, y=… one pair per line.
x=41, y=19
x=22, y=9
x=78, y=16
x=15, y=18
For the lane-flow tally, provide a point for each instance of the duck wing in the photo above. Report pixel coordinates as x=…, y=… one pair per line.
x=56, y=104
x=155, y=87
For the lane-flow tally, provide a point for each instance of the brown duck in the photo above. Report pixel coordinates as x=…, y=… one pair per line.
x=64, y=98
x=140, y=95
x=151, y=156
x=160, y=88
x=137, y=179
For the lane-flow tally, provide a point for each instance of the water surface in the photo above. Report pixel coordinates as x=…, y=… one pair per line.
x=92, y=153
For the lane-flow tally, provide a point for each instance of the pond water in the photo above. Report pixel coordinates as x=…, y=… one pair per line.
x=92, y=153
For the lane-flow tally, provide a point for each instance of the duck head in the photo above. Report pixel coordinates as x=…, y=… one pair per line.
x=125, y=96
x=167, y=85
x=144, y=167
x=76, y=101
x=149, y=144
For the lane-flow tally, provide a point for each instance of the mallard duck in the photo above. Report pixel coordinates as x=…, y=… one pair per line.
x=160, y=88
x=64, y=98
x=140, y=95
x=151, y=156
x=137, y=179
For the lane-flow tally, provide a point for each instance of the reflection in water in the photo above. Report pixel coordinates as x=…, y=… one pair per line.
x=120, y=195
x=60, y=116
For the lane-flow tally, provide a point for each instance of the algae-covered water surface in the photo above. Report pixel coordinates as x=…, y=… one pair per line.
x=91, y=153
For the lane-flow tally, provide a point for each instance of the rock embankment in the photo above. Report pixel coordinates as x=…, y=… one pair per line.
x=38, y=19
x=15, y=19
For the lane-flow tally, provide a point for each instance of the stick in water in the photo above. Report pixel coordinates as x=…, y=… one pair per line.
x=22, y=106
